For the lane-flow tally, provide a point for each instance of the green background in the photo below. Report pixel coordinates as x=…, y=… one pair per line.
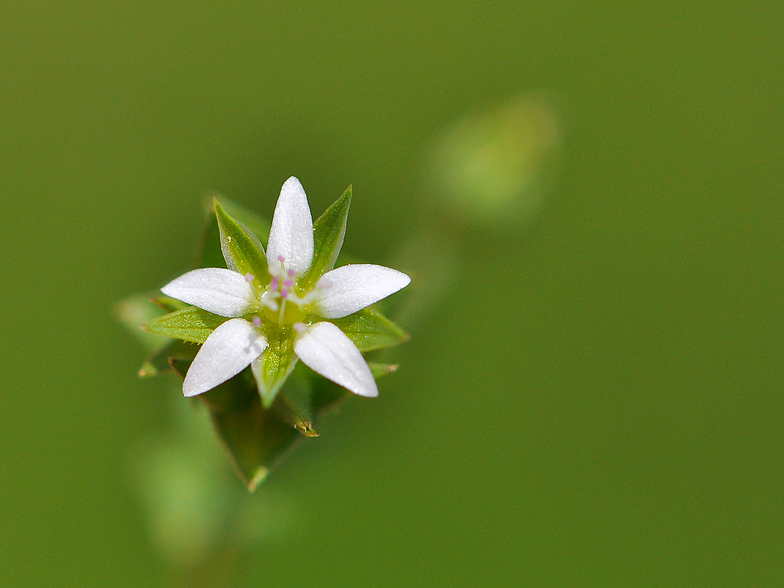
x=596, y=402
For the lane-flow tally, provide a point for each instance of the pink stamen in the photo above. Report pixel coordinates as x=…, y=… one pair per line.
x=281, y=259
x=291, y=273
x=274, y=283
x=284, y=293
x=256, y=321
x=249, y=277
x=288, y=283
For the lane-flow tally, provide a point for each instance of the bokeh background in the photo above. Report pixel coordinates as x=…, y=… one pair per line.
x=593, y=392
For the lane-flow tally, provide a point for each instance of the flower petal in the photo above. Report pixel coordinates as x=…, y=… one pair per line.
x=350, y=288
x=217, y=290
x=291, y=235
x=327, y=351
x=225, y=353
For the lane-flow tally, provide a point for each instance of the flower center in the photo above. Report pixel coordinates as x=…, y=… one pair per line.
x=280, y=302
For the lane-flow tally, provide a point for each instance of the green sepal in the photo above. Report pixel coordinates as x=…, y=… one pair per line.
x=274, y=365
x=257, y=224
x=293, y=403
x=254, y=437
x=327, y=395
x=368, y=329
x=328, y=233
x=168, y=304
x=189, y=324
x=379, y=370
x=209, y=252
x=241, y=248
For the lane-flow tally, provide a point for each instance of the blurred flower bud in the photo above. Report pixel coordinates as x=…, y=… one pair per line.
x=494, y=168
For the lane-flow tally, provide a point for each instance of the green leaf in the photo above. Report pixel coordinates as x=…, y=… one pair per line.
x=254, y=437
x=257, y=224
x=274, y=366
x=379, y=370
x=168, y=304
x=189, y=324
x=326, y=395
x=209, y=253
x=328, y=233
x=369, y=330
x=294, y=409
x=241, y=247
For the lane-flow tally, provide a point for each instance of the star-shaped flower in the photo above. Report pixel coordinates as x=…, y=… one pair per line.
x=280, y=303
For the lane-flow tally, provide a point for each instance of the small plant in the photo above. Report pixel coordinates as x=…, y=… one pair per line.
x=278, y=303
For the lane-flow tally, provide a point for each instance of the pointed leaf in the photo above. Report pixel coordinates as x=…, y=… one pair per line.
x=379, y=370
x=168, y=304
x=209, y=252
x=258, y=225
x=326, y=395
x=241, y=248
x=273, y=366
x=255, y=438
x=293, y=404
x=189, y=324
x=328, y=233
x=368, y=329
x=289, y=412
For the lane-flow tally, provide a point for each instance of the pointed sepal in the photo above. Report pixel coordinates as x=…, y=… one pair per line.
x=292, y=410
x=273, y=366
x=368, y=329
x=242, y=250
x=189, y=324
x=379, y=370
x=255, y=438
x=209, y=252
x=329, y=231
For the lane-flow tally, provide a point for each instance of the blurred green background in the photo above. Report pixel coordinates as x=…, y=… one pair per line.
x=596, y=401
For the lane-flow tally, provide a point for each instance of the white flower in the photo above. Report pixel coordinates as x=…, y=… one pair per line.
x=286, y=309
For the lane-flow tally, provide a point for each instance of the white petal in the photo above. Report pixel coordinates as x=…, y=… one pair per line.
x=353, y=287
x=226, y=352
x=327, y=351
x=291, y=234
x=217, y=290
